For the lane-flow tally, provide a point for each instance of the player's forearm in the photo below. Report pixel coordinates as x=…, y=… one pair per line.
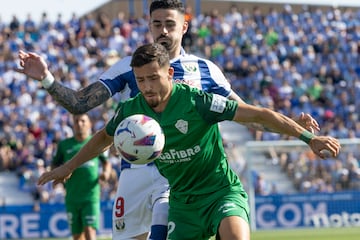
x=254, y=126
x=78, y=102
x=280, y=123
x=260, y=127
x=98, y=144
x=269, y=119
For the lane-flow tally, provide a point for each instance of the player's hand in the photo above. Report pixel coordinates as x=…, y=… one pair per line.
x=58, y=175
x=323, y=146
x=33, y=65
x=308, y=122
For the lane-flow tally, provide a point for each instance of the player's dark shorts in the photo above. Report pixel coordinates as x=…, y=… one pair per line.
x=200, y=219
x=83, y=214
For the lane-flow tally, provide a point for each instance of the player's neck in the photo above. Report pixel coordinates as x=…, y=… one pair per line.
x=175, y=53
x=81, y=137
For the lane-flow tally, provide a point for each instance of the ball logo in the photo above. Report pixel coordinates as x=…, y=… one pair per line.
x=125, y=129
x=146, y=141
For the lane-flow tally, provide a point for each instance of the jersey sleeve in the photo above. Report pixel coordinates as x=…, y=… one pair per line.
x=58, y=159
x=214, y=108
x=220, y=84
x=114, y=121
x=118, y=76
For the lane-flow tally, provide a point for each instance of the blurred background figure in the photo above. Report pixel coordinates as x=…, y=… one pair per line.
x=82, y=198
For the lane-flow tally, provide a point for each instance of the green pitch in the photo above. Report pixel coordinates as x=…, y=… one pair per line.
x=308, y=234
x=296, y=234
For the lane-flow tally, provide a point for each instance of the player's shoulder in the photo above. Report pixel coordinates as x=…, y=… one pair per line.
x=202, y=62
x=120, y=67
x=125, y=61
x=193, y=57
x=67, y=141
x=184, y=88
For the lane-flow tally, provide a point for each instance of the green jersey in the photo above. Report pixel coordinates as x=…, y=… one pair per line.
x=193, y=159
x=83, y=185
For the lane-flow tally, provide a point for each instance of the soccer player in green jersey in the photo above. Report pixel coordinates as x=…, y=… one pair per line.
x=206, y=196
x=82, y=198
x=167, y=25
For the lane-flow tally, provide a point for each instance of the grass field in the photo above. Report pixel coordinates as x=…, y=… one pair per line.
x=309, y=234
x=298, y=234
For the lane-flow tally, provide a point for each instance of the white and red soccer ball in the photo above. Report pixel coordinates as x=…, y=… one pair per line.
x=139, y=139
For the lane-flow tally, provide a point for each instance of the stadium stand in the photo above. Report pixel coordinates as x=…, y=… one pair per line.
x=10, y=192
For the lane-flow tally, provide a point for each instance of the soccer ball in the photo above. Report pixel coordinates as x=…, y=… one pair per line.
x=139, y=139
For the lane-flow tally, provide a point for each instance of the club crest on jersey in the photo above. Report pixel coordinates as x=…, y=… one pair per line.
x=190, y=67
x=182, y=126
x=119, y=224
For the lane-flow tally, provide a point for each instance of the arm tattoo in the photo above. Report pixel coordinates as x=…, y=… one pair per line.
x=81, y=101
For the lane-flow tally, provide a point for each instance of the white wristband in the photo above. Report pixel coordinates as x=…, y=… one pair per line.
x=48, y=81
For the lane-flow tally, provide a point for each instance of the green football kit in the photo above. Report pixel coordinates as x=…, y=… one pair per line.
x=82, y=198
x=204, y=189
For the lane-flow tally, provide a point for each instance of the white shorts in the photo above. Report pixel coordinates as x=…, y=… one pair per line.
x=138, y=190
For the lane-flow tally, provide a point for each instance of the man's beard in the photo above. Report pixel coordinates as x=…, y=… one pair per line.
x=153, y=103
x=167, y=43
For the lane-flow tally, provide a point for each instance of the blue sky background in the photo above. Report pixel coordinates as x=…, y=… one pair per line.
x=66, y=7
x=21, y=8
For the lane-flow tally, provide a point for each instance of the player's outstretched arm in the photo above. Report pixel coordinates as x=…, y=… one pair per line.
x=99, y=143
x=284, y=125
x=304, y=120
x=76, y=102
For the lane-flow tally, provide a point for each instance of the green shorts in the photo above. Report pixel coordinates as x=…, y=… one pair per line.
x=81, y=215
x=202, y=219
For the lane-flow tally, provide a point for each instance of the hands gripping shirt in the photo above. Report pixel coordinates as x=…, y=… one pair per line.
x=189, y=161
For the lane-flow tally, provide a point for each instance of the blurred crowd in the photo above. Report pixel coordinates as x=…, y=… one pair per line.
x=308, y=61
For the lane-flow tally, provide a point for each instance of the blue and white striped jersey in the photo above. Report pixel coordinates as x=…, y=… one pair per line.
x=190, y=69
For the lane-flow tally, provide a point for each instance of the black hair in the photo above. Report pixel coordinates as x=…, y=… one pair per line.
x=167, y=4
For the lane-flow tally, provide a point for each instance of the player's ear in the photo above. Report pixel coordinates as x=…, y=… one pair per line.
x=185, y=27
x=171, y=72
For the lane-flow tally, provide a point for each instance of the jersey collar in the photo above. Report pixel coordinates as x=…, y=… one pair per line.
x=182, y=54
